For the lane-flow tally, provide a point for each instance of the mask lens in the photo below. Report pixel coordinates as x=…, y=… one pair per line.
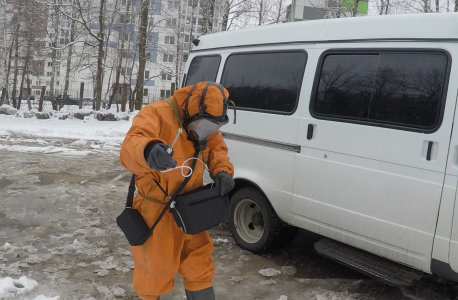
x=202, y=129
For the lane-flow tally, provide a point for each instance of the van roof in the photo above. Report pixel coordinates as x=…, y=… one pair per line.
x=431, y=26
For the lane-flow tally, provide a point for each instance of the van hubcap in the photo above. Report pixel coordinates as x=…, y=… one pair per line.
x=249, y=221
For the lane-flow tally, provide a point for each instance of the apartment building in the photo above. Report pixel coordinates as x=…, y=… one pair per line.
x=172, y=27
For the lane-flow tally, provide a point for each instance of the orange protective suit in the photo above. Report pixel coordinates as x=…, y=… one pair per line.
x=169, y=250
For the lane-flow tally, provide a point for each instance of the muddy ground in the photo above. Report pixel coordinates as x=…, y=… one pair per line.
x=57, y=226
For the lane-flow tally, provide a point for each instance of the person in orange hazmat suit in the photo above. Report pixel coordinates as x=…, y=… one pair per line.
x=145, y=152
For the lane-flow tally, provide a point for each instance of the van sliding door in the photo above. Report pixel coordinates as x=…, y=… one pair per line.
x=374, y=143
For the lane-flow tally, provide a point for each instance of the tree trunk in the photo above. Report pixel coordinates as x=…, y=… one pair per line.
x=54, y=42
x=69, y=59
x=100, y=56
x=437, y=6
x=124, y=98
x=387, y=6
x=426, y=6
x=21, y=89
x=179, y=53
x=225, y=19
x=118, y=67
x=456, y=6
x=2, y=99
x=8, y=71
x=355, y=8
x=53, y=78
x=280, y=11
x=80, y=104
x=16, y=69
x=261, y=12
x=382, y=7
x=42, y=97
x=29, y=93
x=208, y=14
x=142, y=31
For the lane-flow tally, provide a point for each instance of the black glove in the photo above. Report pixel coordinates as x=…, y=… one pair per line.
x=225, y=183
x=157, y=157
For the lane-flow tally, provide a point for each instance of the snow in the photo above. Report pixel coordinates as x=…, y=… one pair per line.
x=269, y=272
x=12, y=287
x=89, y=129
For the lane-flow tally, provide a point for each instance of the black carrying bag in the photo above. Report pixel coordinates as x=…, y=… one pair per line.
x=200, y=209
x=131, y=221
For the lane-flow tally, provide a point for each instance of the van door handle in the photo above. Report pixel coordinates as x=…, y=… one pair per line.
x=428, y=153
x=310, y=132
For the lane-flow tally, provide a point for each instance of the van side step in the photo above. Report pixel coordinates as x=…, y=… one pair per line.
x=379, y=268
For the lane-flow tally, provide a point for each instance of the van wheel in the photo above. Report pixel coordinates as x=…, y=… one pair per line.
x=254, y=224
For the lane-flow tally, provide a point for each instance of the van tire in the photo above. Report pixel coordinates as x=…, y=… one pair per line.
x=267, y=234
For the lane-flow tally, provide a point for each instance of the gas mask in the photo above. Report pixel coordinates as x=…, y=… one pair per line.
x=203, y=125
x=201, y=129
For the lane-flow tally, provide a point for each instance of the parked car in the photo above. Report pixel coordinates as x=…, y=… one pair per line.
x=88, y=101
x=68, y=100
x=344, y=128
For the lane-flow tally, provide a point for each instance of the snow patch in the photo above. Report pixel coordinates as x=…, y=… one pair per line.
x=42, y=297
x=12, y=287
x=269, y=272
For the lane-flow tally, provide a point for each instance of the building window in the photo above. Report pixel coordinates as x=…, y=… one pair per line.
x=397, y=89
x=37, y=92
x=49, y=64
x=146, y=74
x=171, y=23
x=245, y=78
x=166, y=76
x=165, y=94
x=167, y=58
x=145, y=92
x=48, y=74
x=170, y=40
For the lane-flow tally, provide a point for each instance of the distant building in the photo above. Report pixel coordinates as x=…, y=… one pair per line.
x=302, y=10
x=172, y=27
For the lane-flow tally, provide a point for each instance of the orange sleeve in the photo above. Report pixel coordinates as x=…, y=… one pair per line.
x=218, y=161
x=145, y=129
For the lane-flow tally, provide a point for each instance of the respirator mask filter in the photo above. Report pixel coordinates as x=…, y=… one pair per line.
x=201, y=129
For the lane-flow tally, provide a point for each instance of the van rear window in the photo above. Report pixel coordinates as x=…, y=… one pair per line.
x=265, y=81
x=398, y=89
x=203, y=68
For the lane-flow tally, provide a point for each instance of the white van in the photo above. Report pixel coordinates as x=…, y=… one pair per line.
x=344, y=128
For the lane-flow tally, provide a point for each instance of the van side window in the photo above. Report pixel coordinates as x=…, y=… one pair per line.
x=203, y=68
x=397, y=89
x=268, y=81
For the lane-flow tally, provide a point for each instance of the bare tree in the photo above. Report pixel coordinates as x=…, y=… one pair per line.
x=16, y=33
x=142, y=33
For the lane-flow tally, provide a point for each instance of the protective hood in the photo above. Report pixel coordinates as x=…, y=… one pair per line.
x=206, y=100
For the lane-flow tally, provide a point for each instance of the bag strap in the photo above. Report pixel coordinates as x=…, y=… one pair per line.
x=180, y=188
x=130, y=194
x=175, y=109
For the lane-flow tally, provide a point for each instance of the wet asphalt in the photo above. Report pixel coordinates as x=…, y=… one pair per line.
x=58, y=211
